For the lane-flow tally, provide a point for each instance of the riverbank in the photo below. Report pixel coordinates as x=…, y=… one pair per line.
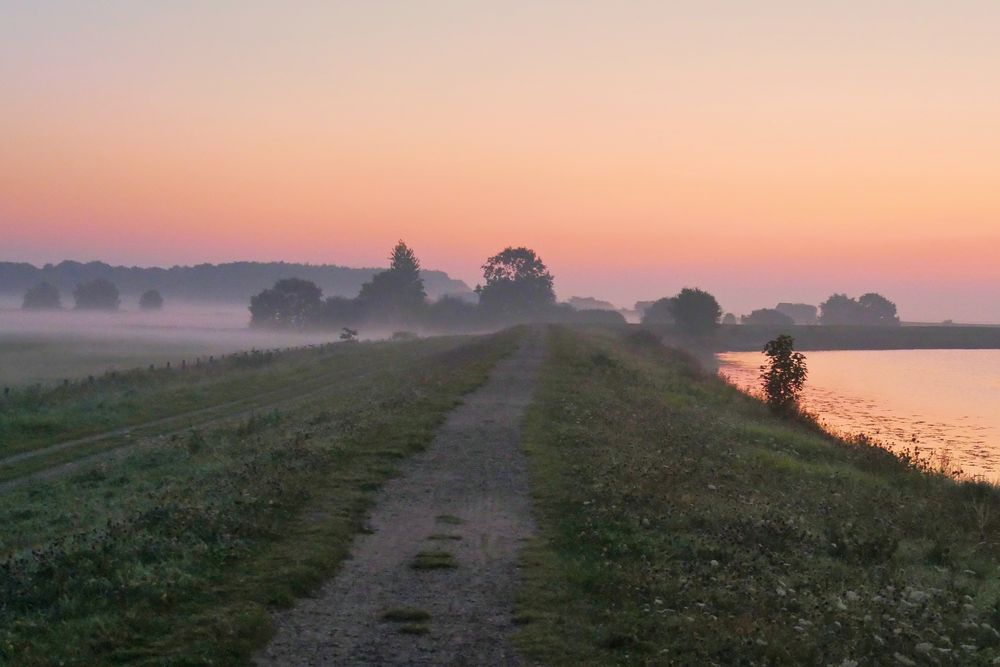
x=680, y=522
x=746, y=338
x=942, y=401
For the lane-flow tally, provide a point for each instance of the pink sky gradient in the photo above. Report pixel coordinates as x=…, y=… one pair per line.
x=772, y=153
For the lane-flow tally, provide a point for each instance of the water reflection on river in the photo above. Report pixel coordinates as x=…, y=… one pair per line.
x=941, y=399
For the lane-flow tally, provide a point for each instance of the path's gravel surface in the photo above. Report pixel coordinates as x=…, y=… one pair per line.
x=475, y=471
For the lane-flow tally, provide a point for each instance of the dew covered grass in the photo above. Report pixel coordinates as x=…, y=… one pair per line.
x=37, y=416
x=177, y=552
x=680, y=522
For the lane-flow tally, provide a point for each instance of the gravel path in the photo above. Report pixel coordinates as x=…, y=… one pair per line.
x=472, y=484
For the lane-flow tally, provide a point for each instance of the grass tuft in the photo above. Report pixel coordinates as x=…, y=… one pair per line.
x=434, y=560
x=414, y=629
x=406, y=614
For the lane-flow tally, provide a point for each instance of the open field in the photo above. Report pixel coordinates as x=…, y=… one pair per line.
x=680, y=522
x=50, y=347
x=174, y=548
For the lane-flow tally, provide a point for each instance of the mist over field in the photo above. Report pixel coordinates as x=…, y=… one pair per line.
x=51, y=346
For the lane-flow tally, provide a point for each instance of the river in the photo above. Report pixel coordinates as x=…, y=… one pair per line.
x=940, y=400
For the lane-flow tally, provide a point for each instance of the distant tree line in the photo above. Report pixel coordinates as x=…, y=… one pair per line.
x=767, y=316
x=233, y=282
x=517, y=287
x=696, y=311
x=869, y=309
x=92, y=295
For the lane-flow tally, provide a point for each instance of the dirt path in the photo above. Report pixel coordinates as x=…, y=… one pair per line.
x=471, y=485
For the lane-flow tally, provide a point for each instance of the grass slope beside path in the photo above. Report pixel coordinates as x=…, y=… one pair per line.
x=32, y=418
x=681, y=523
x=177, y=553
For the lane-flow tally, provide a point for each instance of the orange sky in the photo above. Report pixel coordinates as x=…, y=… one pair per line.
x=765, y=151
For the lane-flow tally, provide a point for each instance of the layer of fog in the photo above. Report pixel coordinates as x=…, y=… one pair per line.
x=215, y=323
x=52, y=346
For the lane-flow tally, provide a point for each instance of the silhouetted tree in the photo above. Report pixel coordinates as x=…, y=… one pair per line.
x=801, y=313
x=768, y=316
x=660, y=311
x=97, y=295
x=869, y=310
x=518, y=285
x=396, y=294
x=876, y=310
x=292, y=302
x=452, y=313
x=43, y=296
x=590, y=303
x=696, y=311
x=151, y=299
x=337, y=311
x=839, y=309
x=641, y=307
x=784, y=374
x=729, y=318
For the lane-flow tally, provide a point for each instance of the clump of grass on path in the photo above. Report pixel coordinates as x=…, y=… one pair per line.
x=434, y=560
x=406, y=614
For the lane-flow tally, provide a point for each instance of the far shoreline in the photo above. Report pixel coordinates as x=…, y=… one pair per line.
x=816, y=338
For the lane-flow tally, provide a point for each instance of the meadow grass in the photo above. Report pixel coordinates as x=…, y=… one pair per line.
x=177, y=553
x=32, y=418
x=681, y=522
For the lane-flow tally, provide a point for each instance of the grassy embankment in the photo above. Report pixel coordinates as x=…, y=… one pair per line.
x=164, y=401
x=32, y=417
x=680, y=522
x=174, y=553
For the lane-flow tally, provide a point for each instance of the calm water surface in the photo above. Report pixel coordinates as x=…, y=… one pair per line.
x=941, y=399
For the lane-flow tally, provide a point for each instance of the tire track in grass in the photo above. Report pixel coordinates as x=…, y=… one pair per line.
x=129, y=442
